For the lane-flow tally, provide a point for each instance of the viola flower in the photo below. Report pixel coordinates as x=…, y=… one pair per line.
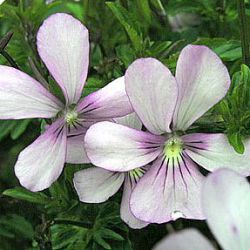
x=63, y=45
x=225, y=201
x=168, y=106
x=95, y=185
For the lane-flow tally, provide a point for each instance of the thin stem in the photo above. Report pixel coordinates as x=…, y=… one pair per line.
x=244, y=32
x=9, y=59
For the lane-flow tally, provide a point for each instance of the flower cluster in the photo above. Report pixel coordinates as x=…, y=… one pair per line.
x=135, y=130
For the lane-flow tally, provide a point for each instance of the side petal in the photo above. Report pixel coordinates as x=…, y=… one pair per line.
x=202, y=80
x=213, y=151
x=63, y=45
x=109, y=102
x=126, y=214
x=188, y=239
x=152, y=90
x=131, y=120
x=225, y=201
x=168, y=191
x=23, y=97
x=95, y=185
x=118, y=148
x=41, y=163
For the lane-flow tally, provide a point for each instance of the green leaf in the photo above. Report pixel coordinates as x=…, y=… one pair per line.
x=19, y=128
x=98, y=239
x=128, y=22
x=236, y=141
x=23, y=194
x=110, y=234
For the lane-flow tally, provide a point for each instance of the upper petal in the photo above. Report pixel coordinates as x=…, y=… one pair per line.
x=202, y=80
x=119, y=148
x=126, y=214
x=188, y=239
x=225, y=201
x=41, y=163
x=95, y=185
x=23, y=97
x=169, y=190
x=108, y=102
x=213, y=151
x=63, y=45
x=152, y=90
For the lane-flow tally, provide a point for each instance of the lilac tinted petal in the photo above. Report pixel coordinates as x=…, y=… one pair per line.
x=188, y=239
x=63, y=45
x=131, y=120
x=225, y=201
x=168, y=192
x=108, y=102
x=126, y=214
x=41, y=163
x=152, y=90
x=75, y=150
x=23, y=97
x=202, y=81
x=95, y=185
x=119, y=148
x=213, y=151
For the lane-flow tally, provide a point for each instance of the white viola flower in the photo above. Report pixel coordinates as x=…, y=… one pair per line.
x=63, y=45
x=168, y=106
x=225, y=201
x=95, y=185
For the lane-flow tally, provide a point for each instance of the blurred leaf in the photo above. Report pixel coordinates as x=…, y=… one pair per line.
x=128, y=22
x=23, y=194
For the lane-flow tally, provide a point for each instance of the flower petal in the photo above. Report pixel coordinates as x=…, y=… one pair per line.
x=188, y=239
x=213, y=151
x=63, y=45
x=225, y=202
x=130, y=120
x=108, y=102
x=118, y=148
x=126, y=214
x=41, y=163
x=23, y=97
x=202, y=80
x=168, y=191
x=75, y=150
x=95, y=185
x=152, y=90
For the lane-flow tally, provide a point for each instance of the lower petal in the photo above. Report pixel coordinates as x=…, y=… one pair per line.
x=41, y=163
x=95, y=185
x=213, y=151
x=168, y=191
x=126, y=213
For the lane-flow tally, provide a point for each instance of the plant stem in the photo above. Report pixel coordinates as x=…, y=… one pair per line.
x=243, y=32
x=9, y=59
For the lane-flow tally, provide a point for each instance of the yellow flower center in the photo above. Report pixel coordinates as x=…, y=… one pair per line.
x=173, y=147
x=71, y=117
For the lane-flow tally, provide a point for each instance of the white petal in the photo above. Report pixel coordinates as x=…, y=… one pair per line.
x=95, y=185
x=225, y=201
x=23, y=97
x=188, y=239
x=41, y=163
x=63, y=45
